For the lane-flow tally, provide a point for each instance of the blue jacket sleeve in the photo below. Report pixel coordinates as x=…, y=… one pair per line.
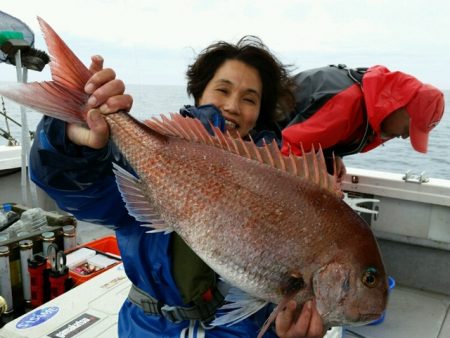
x=207, y=114
x=78, y=178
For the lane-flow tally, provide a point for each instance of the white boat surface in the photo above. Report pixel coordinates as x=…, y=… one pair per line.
x=11, y=181
x=412, y=227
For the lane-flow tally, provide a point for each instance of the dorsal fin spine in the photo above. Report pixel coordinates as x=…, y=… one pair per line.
x=221, y=138
x=187, y=127
x=322, y=163
x=291, y=160
x=305, y=164
x=314, y=163
x=233, y=142
x=247, y=153
x=269, y=154
x=165, y=123
x=279, y=156
x=197, y=127
x=176, y=128
x=252, y=145
x=209, y=138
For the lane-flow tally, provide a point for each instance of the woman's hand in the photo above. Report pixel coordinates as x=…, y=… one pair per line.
x=306, y=324
x=106, y=96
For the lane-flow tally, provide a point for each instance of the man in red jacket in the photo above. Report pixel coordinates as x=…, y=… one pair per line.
x=346, y=111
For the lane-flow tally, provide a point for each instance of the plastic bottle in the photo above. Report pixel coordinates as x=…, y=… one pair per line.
x=70, y=237
x=34, y=219
x=11, y=216
x=48, y=238
x=26, y=252
x=7, y=216
x=5, y=278
x=3, y=218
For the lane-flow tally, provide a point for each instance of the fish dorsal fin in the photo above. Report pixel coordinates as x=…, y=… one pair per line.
x=310, y=166
x=136, y=202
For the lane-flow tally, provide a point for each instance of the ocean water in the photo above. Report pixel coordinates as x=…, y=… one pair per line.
x=394, y=156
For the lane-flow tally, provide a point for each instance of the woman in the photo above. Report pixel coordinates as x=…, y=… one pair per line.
x=236, y=87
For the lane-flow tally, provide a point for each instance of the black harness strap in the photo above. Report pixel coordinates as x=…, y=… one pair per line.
x=356, y=74
x=176, y=314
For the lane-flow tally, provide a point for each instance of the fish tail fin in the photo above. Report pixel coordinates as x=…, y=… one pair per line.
x=67, y=69
x=63, y=97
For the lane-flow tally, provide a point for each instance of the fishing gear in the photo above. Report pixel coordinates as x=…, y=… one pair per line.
x=36, y=268
x=12, y=42
x=5, y=279
x=26, y=252
x=59, y=271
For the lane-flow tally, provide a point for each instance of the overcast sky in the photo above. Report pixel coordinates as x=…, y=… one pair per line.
x=152, y=42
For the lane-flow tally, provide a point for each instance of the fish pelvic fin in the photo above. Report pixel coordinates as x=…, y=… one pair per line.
x=136, y=202
x=310, y=166
x=63, y=97
x=239, y=306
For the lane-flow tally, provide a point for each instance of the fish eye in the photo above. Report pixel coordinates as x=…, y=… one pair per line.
x=369, y=277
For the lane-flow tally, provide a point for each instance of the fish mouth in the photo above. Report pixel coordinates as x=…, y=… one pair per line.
x=368, y=318
x=355, y=322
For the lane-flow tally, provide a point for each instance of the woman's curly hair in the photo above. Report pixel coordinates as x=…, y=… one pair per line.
x=277, y=97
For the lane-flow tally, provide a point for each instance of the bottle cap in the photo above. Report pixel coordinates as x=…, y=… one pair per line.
x=26, y=244
x=68, y=229
x=4, y=250
x=48, y=236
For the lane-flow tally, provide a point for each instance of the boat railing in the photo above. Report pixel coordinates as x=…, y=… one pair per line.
x=412, y=224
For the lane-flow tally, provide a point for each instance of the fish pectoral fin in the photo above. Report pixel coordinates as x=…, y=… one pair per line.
x=137, y=202
x=290, y=288
x=273, y=315
x=166, y=231
x=239, y=306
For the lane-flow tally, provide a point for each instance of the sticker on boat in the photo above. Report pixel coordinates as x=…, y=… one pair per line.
x=37, y=317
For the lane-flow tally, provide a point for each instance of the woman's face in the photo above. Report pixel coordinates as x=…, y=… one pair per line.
x=236, y=90
x=396, y=125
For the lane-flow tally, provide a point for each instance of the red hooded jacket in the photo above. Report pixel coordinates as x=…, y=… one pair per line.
x=341, y=121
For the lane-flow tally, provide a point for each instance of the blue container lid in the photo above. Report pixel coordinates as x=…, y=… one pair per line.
x=7, y=207
x=391, y=282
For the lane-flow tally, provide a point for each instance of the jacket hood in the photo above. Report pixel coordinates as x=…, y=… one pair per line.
x=385, y=92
